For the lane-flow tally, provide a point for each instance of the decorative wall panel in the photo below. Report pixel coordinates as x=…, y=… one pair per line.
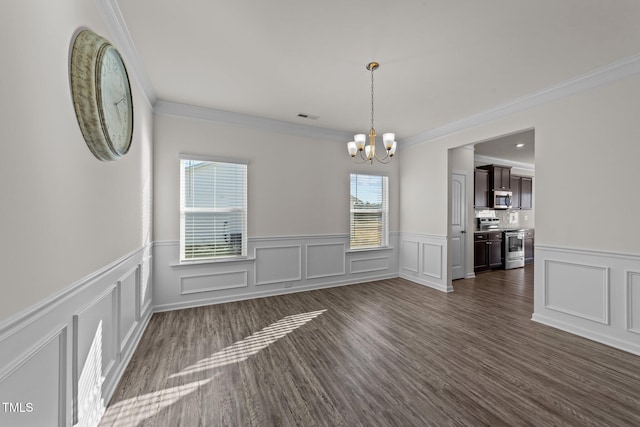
x=432, y=260
x=369, y=265
x=325, y=260
x=38, y=404
x=564, y=281
x=633, y=301
x=212, y=282
x=410, y=256
x=277, y=264
x=590, y=293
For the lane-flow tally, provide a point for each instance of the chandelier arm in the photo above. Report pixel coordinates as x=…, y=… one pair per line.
x=359, y=162
x=384, y=160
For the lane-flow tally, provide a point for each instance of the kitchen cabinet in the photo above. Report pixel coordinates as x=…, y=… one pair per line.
x=487, y=251
x=499, y=177
x=515, y=192
x=522, y=191
x=481, y=186
x=528, y=245
x=526, y=192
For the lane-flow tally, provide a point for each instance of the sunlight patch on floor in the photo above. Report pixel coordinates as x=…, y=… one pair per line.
x=251, y=345
x=139, y=408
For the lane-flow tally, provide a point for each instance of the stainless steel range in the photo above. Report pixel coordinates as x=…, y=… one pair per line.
x=513, y=241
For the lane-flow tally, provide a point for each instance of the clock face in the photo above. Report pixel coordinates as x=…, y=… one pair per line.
x=101, y=96
x=115, y=101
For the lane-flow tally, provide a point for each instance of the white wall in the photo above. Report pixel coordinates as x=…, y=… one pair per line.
x=587, y=155
x=63, y=209
x=298, y=214
x=76, y=232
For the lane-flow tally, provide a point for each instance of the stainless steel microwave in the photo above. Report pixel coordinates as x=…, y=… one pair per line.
x=502, y=199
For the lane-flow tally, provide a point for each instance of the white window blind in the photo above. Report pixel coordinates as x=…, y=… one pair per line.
x=369, y=206
x=213, y=209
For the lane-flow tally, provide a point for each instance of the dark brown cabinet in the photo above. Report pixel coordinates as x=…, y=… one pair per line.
x=499, y=177
x=502, y=178
x=528, y=246
x=481, y=185
x=522, y=191
x=526, y=193
x=515, y=192
x=487, y=251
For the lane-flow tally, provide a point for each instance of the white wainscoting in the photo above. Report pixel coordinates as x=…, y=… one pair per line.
x=423, y=259
x=65, y=356
x=593, y=294
x=633, y=301
x=276, y=265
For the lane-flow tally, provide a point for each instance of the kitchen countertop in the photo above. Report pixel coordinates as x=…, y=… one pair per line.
x=489, y=230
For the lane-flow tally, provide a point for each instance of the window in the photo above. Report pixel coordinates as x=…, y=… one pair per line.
x=213, y=209
x=369, y=206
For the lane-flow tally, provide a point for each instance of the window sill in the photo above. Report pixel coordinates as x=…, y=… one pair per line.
x=212, y=261
x=381, y=248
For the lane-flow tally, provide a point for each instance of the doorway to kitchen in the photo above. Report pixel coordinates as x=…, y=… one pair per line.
x=513, y=156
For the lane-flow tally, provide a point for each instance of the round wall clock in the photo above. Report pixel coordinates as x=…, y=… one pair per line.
x=101, y=96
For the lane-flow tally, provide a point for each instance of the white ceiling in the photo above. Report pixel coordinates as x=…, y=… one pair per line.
x=441, y=60
x=504, y=149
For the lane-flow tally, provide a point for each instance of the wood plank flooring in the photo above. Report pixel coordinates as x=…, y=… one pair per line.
x=385, y=353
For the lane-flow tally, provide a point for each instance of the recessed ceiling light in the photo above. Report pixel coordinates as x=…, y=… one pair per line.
x=520, y=145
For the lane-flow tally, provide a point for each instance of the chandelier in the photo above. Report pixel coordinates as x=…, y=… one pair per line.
x=366, y=153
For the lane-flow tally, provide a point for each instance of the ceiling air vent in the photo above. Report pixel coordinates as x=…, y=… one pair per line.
x=308, y=116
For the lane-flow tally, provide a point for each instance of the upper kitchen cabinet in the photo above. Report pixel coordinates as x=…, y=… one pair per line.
x=499, y=177
x=515, y=192
x=481, y=185
x=522, y=191
x=526, y=193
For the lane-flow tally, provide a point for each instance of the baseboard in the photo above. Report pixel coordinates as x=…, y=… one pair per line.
x=264, y=294
x=435, y=285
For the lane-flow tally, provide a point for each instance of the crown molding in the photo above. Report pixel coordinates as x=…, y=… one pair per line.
x=169, y=108
x=112, y=16
x=598, y=77
x=495, y=160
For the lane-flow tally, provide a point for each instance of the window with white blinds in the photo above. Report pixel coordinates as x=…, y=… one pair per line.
x=213, y=209
x=369, y=207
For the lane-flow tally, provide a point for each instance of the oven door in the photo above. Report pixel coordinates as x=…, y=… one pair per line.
x=513, y=249
x=515, y=243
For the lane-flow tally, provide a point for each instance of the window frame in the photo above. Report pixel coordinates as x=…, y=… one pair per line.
x=384, y=210
x=183, y=210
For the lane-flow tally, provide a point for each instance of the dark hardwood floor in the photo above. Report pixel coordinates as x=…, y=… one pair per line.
x=385, y=353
